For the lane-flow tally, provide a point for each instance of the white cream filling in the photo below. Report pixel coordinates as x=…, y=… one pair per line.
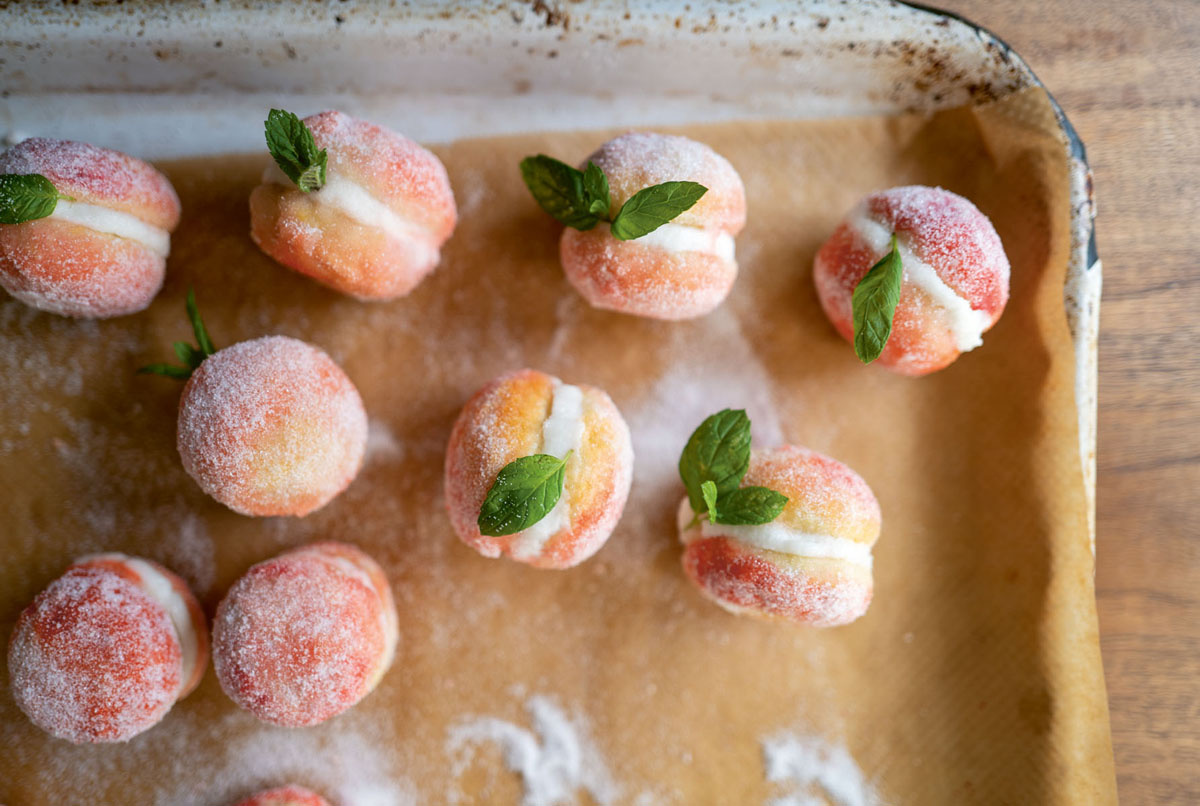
x=561, y=432
x=160, y=589
x=966, y=323
x=114, y=222
x=357, y=202
x=682, y=238
x=776, y=536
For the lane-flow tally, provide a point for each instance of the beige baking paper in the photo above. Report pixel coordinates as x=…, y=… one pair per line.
x=974, y=678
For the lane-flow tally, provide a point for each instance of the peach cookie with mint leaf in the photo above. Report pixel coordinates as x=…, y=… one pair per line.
x=650, y=222
x=782, y=533
x=84, y=231
x=352, y=205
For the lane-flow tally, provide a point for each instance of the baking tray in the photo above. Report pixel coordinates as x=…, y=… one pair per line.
x=172, y=80
x=168, y=80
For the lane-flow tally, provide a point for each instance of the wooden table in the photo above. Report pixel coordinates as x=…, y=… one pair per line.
x=1128, y=76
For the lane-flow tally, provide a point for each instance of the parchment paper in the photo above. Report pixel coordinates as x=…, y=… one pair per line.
x=974, y=678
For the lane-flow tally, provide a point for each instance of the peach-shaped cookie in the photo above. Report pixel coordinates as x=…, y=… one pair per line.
x=681, y=270
x=374, y=230
x=812, y=564
x=305, y=635
x=526, y=413
x=271, y=426
x=102, y=252
x=105, y=651
x=955, y=281
x=285, y=796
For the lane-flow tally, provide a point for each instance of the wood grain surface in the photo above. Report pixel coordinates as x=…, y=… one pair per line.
x=1127, y=77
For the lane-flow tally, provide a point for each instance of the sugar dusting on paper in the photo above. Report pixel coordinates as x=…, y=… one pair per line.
x=556, y=760
x=721, y=372
x=811, y=771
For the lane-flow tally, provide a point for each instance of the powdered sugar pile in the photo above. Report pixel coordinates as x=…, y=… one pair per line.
x=815, y=771
x=556, y=760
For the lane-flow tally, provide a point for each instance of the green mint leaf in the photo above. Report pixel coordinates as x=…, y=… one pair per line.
x=524, y=493
x=874, y=303
x=26, y=197
x=193, y=312
x=559, y=190
x=167, y=370
x=295, y=151
x=187, y=354
x=709, y=490
x=718, y=451
x=749, y=506
x=192, y=357
x=651, y=207
x=595, y=187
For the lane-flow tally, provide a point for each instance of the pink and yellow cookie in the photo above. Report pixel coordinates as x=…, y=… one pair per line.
x=527, y=413
x=100, y=248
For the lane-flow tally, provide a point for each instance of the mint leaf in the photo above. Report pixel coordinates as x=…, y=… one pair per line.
x=651, y=207
x=559, y=190
x=193, y=312
x=187, y=354
x=26, y=197
x=295, y=151
x=192, y=357
x=524, y=492
x=166, y=370
x=595, y=187
x=749, y=506
x=718, y=451
x=874, y=303
x=709, y=491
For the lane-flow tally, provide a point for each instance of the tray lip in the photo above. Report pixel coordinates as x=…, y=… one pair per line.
x=1075, y=146
x=1082, y=284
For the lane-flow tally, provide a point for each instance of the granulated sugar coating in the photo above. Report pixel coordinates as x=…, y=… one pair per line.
x=812, y=564
x=94, y=658
x=285, y=796
x=374, y=229
x=97, y=176
x=271, y=427
x=638, y=160
x=102, y=252
x=302, y=637
x=523, y=413
x=685, y=268
x=674, y=694
x=956, y=275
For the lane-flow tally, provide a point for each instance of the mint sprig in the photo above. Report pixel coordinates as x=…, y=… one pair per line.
x=27, y=197
x=524, y=492
x=874, y=304
x=192, y=357
x=581, y=199
x=295, y=151
x=712, y=466
x=651, y=207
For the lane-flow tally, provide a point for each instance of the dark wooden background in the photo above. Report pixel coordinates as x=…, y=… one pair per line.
x=1128, y=76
